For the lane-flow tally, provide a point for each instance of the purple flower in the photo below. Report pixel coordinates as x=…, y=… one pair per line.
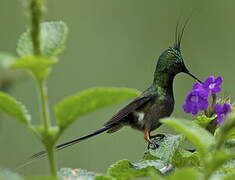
x=222, y=111
x=196, y=100
x=213, y=84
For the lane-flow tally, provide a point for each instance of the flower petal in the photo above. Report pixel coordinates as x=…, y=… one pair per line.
x=208, y=81
x=216, y=89
x=218, y=109
x=220, y=120
x=194, y=109
x=218, y=80
x=227, y=108
x=197, y=85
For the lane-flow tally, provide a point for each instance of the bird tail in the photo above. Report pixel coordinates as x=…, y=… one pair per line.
x=65, y=145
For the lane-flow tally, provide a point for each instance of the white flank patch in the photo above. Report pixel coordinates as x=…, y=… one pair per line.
x=140, y=116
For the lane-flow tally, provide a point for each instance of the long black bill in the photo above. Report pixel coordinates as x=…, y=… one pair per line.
x=189, y=73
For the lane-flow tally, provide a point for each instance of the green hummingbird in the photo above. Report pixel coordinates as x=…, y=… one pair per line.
x=156, y=102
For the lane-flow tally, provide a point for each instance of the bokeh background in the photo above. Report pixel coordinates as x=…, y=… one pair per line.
x=114, y=43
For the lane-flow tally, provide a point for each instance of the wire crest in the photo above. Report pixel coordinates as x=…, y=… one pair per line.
x=179, y=35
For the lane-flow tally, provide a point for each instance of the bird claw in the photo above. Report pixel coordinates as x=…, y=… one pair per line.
x=161, y=136
x=153, y=145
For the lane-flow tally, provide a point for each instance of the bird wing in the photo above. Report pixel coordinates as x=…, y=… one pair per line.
x=132, y=106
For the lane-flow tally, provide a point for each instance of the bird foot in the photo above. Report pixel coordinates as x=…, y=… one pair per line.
x=153, y=143
x=161, y=136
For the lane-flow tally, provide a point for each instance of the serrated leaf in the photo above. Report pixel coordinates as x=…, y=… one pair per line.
x=8, y=175
x=81, y=174
x=14, y=108
x=203, y=120
x=230, y=143
x=123, y=169
x=226, y=131
x=6, y=60
x=184, y=158
x=40, y=178
x=185, y=173
x=229, y=177
x=88, y=101
x=53, y=36
x=74, y=174
x=39, y=66
x=218, y=159
x=198, y=136
x=228, y=167
x=104, y=177
x=149, y=156
x=167, y=147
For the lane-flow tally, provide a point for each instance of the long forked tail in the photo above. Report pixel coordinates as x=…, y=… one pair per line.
x=66, y=144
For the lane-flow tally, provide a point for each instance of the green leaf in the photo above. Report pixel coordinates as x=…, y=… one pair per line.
x=14, y=108
x=203, y=120
x=229, y=177
x=40, y=178
x=228, y=167
x=230, y=143
x=81, y=174
x=53, y=36
x=123, y=169
x=39, y=66
x=104, y=177
x=68, y=173
x=149, y=156
x=185, y=173
x=88, y=101
x=167, y=147
x=218, y=159
x=6, y=60
x=183, y=158
x=8, y=175
x=226, y=131
x=198, y=136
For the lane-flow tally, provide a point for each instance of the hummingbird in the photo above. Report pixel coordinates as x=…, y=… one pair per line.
x=156, y=102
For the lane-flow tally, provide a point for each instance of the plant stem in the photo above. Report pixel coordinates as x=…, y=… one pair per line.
x=49, y=143
x=51, y=159
x=36, y=13
x=44, y=105
x=48, y=140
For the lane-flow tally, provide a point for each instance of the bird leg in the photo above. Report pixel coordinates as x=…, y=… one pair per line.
x=148, y=137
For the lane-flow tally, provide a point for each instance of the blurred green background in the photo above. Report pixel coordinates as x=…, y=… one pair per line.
x=114, y=43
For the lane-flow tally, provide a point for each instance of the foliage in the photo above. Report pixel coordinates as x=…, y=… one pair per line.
x=14, y=108
x=38, y=49
x=210, y=162
x=53, y=37
x=213, y=141
x=73, y=107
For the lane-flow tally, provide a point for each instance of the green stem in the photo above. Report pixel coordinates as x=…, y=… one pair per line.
x=51, y=159
x=36, y=13
x=44, y=105
x=46, y=121
x=48, y=142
